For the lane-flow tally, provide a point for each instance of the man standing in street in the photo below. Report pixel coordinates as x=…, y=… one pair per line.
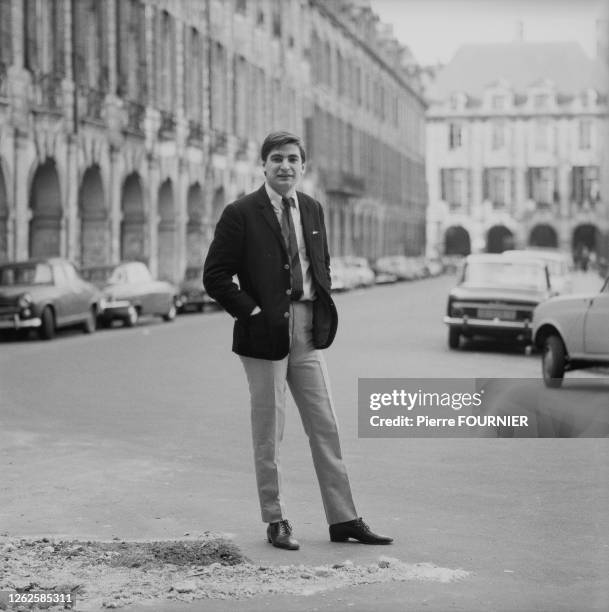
x=274, y=240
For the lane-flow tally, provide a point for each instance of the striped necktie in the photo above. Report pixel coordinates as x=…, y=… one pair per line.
x=289, y=233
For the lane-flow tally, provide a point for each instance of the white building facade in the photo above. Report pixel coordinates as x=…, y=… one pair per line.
x=515, y=150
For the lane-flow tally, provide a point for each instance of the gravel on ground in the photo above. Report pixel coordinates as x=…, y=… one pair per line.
x=114, y=574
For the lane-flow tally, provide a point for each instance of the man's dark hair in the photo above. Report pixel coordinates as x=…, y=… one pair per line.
x=278, y=139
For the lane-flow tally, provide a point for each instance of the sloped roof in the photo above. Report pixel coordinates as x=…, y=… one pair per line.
x=522, y=64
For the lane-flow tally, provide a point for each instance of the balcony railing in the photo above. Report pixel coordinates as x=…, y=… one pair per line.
x=339, y=181
x=48, y=92
x=167, y=130
x=219, y=142
x=195, y=133
x=135, y=116
x=90, y=103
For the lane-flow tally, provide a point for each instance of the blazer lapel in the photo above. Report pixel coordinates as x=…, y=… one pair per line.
x=268, y=213
x=306, y=219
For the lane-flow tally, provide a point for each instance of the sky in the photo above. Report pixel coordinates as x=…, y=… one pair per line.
x=435, y=29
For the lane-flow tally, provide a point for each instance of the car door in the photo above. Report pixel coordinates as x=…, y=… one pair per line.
x=65, y=302
x=596, y=324
x=80, y=290
x=142, y=283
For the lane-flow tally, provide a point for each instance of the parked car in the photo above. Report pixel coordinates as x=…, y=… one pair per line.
x=434, y=266
x=572, y=331
x=192, y=294
x=343, y=277
x=45, y=295
x=495, y=296
x=130, y=292
x=560, y=265
x=384, y=271
x=397, y=265
x=363, y=273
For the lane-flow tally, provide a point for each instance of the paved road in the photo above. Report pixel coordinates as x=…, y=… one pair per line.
x=144, y=433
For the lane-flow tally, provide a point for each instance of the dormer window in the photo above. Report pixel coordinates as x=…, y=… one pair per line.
x=498, y=102
x=541, y=101
x=457, y=101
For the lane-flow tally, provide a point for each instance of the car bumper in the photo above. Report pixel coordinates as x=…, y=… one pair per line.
x=15, y=322
x=118, y=309
x=194, y=301
x=466, y=323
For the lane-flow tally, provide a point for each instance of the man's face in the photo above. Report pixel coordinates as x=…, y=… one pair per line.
x=283, y=168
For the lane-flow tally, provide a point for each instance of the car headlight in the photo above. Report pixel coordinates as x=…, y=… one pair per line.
x=456, y=311
x=25, y=301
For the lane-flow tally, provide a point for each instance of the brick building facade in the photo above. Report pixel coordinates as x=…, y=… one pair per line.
x=127, y=125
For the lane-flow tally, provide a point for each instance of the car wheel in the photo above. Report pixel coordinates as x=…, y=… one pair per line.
x=553, y=361
x=171, y=314
x=90, y=323
x=454, y=337
x=46, y=330
x=132, y=316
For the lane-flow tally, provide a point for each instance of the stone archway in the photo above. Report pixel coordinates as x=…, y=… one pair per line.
x=586, y=234
x=167, y=243
x=4, y=210
x=94, y=226
x=587, y=243
x=133, y=245
x=195, y=247
x=498, y=239
x=47, y=212
x=543, y=235
x=457, y=241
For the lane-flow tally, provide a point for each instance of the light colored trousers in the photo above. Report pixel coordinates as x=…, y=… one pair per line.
x=304, y=370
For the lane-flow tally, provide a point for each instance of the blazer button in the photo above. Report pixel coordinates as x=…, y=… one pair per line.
x=286, y=266
x=286, y=315
x=288, y=292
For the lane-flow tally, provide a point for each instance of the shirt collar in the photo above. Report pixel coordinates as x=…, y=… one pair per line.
x=276, y=198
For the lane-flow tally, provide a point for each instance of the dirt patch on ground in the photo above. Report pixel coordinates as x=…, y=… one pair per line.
x=115, y=574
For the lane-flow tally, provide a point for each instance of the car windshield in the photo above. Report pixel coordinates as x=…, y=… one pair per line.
x=35, y=274
x=504, y=274
x=96, y=275
x=119, y=275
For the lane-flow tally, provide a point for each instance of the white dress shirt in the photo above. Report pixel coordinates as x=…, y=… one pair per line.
x=308, y=292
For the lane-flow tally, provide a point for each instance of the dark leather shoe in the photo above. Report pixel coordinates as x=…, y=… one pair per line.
x=279, y=534
x=357, y=530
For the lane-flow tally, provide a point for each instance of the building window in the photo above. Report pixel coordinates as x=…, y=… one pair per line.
x=540, y=101
x=241, y=6
x=585, y=184
x=453, y=182
x=542, y=185
x=276, y=19
x=455, y=135
x=6, y=34
x=542, y=135
x=193, y=74
x=498, y=102
x=585, y=134
x=495, y=185
x=498, y=135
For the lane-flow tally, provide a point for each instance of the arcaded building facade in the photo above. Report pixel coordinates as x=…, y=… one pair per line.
x=516, y=150
x=127, y=125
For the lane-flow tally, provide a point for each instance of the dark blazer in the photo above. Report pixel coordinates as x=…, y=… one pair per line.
x=248, y=242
